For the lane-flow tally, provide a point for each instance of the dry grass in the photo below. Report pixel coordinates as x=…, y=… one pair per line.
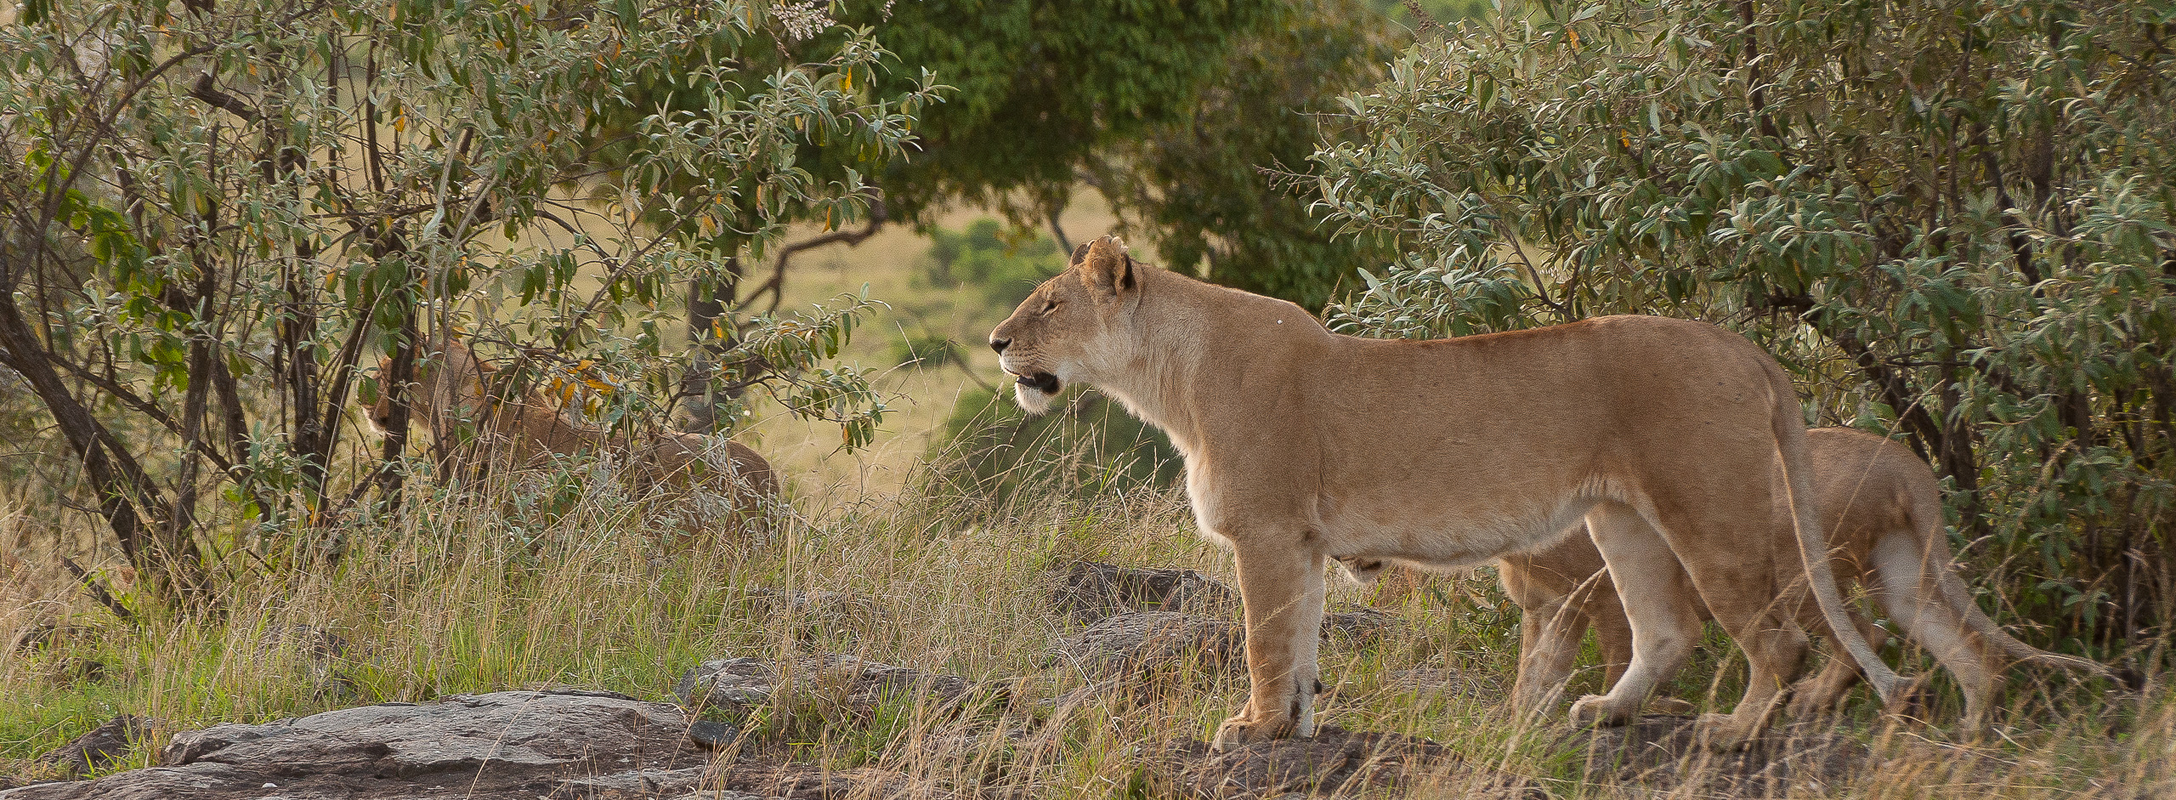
x=536, y=583
x=469, y=592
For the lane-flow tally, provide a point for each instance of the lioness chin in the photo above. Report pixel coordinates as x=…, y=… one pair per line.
x=1303, y=446
x=1882, y=509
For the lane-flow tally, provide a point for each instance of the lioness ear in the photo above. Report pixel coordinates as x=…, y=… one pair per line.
x=1078, y=252
x=1106, y=267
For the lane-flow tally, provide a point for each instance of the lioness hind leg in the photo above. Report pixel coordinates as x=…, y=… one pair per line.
x=1737, y=582
x=1825, y=691
x=1282, y=590
x=1910, y=590
x=1549, y=636
x=1657, y=602
x=1613, y=634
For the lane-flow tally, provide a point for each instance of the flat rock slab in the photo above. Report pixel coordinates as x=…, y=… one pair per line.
x=499, y=745
x=1334, y=762
x=1663, y=753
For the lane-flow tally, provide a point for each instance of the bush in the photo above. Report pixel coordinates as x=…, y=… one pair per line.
x=1951, y=221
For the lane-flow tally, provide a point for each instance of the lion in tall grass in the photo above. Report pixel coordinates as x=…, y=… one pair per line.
x=452, y=397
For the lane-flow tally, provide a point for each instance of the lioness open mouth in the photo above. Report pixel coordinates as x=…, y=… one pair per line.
x=1042, y=382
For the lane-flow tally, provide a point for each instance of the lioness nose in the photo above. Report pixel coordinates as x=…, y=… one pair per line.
x=999, y=344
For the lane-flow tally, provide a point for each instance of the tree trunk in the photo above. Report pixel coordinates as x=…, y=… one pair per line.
x=701, y=391
x=175, y=567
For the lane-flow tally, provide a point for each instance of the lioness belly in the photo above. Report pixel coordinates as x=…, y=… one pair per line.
x=1446, y=541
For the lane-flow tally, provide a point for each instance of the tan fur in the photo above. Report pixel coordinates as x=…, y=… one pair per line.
x=1303, y=446
x=450, y=399
x=1881, y=507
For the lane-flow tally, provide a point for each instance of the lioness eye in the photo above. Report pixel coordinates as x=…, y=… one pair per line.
x=1049, y=306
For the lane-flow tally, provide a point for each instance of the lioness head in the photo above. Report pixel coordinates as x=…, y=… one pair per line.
x=448, y=385
x=1072, y=328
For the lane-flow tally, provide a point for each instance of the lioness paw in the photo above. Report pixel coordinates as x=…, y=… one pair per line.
x=1242, y=730
x=1724, y=731
x=1598, y=710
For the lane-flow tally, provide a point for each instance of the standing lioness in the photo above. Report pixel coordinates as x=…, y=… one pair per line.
x=1303, y=446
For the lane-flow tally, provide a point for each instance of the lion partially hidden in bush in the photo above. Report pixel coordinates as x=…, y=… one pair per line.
x=452, y=397
x=1303, y=446
x=1882, y=510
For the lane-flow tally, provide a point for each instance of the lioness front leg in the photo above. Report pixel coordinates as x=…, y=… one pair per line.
x=1658, y=603
x=1282, y=588
x=1549, y=635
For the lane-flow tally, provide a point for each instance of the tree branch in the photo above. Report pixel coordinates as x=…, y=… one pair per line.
x=776, y=284
x=207, y=90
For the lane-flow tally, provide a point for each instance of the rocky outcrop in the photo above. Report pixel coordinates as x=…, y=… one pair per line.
x=1145, y=640
x=103, y=747
x=1135, y=642
x=504, y=744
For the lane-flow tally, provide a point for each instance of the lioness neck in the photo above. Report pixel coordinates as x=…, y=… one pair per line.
x=1181, y=327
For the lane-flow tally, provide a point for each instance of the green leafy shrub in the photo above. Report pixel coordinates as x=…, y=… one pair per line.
x=1953, y=221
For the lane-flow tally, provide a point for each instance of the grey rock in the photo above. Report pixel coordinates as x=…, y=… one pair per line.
x=736, y=685
x=462, y=732
x=498, y=745
x=103, y=747
x=800, y=781
x=1334, y=762
x=1357, y=626
x=1143, y=640
x=714, y=735
x=632, y=783
x=156, y=783
x=1090, y=592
